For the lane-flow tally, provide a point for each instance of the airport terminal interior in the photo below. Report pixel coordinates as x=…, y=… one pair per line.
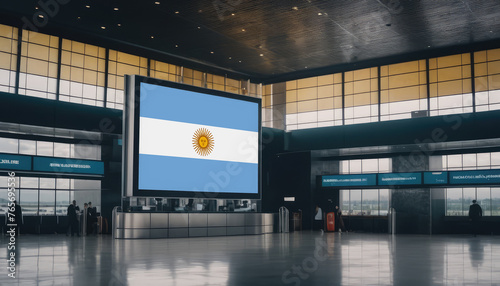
x=232, y=142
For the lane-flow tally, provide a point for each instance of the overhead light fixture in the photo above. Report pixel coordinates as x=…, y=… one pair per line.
x=119, y=25
x=157, y=3
x=152, y=37
x=261, y=55
x=211, y=52
x=319, y=14
x=295, y=8
x=176, y=46
x=78, y=18
x=239, y=61
x=232, y=14
x=199, y=27
x=116, y=9
x=87, y=6
x=230, y=58
x=36, y=8
x=428, y=46
x=102, y=27
x=176, y=12
x=40, y=16
x=243, y=30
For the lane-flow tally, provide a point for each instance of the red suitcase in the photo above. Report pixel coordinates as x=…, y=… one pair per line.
x=330, y=221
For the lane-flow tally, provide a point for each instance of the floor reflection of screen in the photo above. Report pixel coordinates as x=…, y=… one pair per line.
x=191, y=141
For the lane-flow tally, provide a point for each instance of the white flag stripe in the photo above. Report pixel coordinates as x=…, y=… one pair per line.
x=175, y=139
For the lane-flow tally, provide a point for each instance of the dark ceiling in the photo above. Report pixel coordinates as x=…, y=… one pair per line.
x=270, y=40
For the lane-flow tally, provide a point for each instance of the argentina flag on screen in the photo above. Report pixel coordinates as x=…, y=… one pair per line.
x=190, y=141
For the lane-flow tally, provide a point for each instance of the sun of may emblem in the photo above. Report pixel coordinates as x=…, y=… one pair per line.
x=203, y=141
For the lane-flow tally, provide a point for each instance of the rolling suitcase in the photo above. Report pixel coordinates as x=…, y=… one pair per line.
x=330, y=221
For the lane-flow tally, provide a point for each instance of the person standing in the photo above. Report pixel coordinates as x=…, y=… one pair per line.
x=340, y=220
x=475, y=214
x=318, y=219
x=91, y=219
x=72, y=219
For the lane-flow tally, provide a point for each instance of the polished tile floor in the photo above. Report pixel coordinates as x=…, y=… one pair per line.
x=300, y=258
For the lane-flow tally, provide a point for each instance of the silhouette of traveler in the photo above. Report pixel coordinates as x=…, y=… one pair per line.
x=318, y=219
x=73, y=221
x=475, y=214
x=339, y=220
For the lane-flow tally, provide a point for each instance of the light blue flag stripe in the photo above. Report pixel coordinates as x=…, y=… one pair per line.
x=185, y=174
x=173, y=104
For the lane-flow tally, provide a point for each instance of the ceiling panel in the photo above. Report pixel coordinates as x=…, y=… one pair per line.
x=270, y=40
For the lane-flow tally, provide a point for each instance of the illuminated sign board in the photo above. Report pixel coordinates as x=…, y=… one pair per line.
x=349, y=180
x=15, y=162
x=475, y=177
x=62, y=165
x=435, y=178
x=395, y=179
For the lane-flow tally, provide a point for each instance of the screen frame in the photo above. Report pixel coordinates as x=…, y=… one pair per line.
x=133, y=91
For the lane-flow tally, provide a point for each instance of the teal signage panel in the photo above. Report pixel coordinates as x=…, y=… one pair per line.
x=62, y=165
x=348, y=180
x=15, y=162
x=435, y=178
x=475, y=177
x=395, y=179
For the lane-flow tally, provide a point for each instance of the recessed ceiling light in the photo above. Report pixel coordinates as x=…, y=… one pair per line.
x=152, y=37
x=428, y=46
x=243, y=30
x=199, y=27
x=230, y=58
x=176, y=46
x=119, y=25
x=102, y=27
x=295, y=8
x=116, y=9
x=239, y=61
x=261, y=55
x=78, y=18
x=319, y=14
x=212, y=52
x=176, y=12
x=232, y=14
x=40, y=16
x=88, y=6
x=157, y=3
x=36, y=8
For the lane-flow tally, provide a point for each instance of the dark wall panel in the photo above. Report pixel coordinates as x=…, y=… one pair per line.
x=407, y=131
x=412, y=210
x=290, y=177
x=29, y=110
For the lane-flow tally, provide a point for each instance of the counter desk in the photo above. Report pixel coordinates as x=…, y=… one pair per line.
x=133, y=225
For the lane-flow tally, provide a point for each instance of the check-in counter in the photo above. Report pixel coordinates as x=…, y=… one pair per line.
x=171, y=225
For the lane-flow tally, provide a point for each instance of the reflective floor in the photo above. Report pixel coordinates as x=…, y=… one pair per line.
x=300, y=258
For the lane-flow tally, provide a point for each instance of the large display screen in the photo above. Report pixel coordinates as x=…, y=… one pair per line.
x=195, y=141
